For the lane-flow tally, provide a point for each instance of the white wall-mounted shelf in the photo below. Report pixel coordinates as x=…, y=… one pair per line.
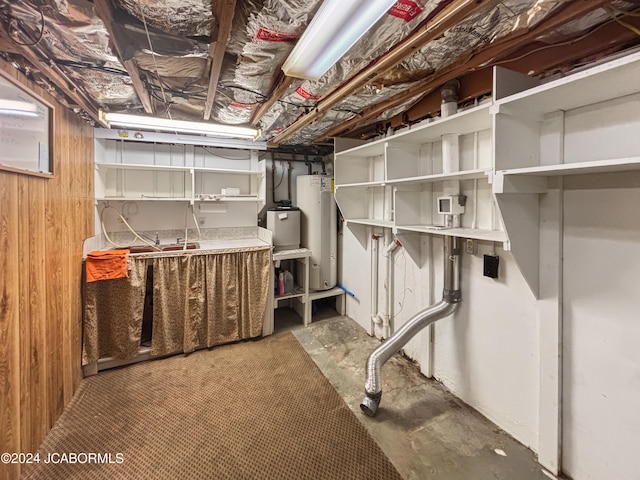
x=223, y=198
x=601, y=83
x=584, y=123
x=146, y=199
x=394, y=182
x=371, y=222
x=439, y=177
x=362, y=184
x=474, y=233
x=137, y=171
x=578, y=168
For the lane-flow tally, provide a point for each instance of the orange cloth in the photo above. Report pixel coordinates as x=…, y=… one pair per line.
x=106, y=265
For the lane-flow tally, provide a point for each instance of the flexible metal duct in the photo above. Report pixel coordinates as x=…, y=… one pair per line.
x=450, y=298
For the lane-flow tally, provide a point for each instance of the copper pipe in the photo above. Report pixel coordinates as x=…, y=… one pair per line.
x=469, y=61
x=451, y=15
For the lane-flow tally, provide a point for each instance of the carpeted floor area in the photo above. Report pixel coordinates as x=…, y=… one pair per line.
x=253, y=410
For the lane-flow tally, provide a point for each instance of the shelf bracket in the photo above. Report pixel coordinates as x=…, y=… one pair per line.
x=530, y=114
x=505, y=183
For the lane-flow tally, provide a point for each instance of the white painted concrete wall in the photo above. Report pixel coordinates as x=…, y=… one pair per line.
x=602, y=327
x=487, y=353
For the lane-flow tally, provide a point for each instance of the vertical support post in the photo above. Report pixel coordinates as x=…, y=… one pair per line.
x=550, y=304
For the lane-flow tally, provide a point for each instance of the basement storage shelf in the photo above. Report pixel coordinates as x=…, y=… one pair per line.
x=129, y=170
x=584, y=123
x=394, y=182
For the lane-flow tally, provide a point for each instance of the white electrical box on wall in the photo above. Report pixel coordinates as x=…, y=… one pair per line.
x=450, y=205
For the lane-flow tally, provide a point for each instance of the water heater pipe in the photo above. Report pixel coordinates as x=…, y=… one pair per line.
x=391, y=283
x=449, y=96
x=374, y=284
x=451, y=296
x=385, y=315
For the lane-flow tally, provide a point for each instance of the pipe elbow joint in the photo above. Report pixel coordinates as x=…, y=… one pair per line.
x=370, y=403
x=452, y=296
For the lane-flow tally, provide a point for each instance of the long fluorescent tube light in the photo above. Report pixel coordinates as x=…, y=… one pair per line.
x=334, y=29
x=169, y=125
x=16, y=107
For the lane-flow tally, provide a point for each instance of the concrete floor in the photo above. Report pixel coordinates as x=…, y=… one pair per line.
x=423, y=429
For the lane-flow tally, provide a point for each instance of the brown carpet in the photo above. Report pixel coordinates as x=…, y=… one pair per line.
x=253, y=410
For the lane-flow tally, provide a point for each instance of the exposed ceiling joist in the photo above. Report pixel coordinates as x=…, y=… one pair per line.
x=471, y=60
x=7, y=44
x=224, y=16
x=104, y=10
x=533, y=58
x=282, y=85
x=570, y=33
x=449, y=16
x=605, y=39
x=472, y=85
x=62, y=81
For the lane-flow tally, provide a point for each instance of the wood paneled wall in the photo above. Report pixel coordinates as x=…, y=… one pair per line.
x=42, y=225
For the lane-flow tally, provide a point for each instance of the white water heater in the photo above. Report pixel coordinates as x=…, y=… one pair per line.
x=318, y=230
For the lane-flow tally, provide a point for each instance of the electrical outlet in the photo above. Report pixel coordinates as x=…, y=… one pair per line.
x=471, y=246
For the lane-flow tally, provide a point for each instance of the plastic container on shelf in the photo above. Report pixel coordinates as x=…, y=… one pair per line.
x=288, y=281
x=281, y=284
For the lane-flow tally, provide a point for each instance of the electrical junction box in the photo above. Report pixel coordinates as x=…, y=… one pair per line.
x=491, y=263
x=451, y=204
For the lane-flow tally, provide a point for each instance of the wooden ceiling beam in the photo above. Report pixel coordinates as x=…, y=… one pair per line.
x=472, y=85
x=225, y=10
x=104, y=9
x=37, y=58
x=471, y=60
x=7, y=44
x=282, y=84
x=60, y=79
x=601, y=42
x=450, y=15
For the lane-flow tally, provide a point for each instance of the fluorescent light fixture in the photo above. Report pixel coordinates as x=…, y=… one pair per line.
x=16, y=107
x=170, y=125
x=334, y=29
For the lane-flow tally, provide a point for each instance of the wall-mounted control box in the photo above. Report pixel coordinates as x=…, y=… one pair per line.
x=451, y=204
x=491, y=263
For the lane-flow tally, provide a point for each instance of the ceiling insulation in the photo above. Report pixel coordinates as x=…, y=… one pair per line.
x=157, y=55
x=191, y=18
x=480, y=29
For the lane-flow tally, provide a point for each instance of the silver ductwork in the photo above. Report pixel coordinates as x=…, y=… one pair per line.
x=450, y=298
